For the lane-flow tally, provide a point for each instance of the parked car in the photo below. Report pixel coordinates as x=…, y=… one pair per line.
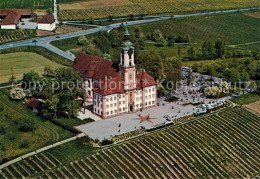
x=57, y=37
x=34, y=41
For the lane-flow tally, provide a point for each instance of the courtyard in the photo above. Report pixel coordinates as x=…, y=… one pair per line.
x=190, y=101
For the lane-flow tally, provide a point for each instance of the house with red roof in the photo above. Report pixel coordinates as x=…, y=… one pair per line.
x=115, y=92
x=34, y=104
x=11, y=17
x=47, y=22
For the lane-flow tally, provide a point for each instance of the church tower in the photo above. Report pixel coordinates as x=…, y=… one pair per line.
x=127, y=68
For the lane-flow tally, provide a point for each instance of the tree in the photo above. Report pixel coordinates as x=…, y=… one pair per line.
x=171, y=40
x=110, y=18
x=12, y=78
x=17, y=94
x=83, y=40
x=50, y=108
x=191, y=53
x=158, y=37
x=152, y=63
x=219, y=48
x=92, y=50
x=103, y=43
x=131, y=17
x=173, y=71
x=210, y=70
x=49, y=11
x=31, y=76
x=208, y=50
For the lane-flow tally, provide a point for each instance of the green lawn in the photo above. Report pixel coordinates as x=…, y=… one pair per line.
x=66, y=44
x=23, y=62
x=246, y=99
x=12, y=138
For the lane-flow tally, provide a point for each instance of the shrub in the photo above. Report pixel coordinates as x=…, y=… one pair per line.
x=107, y=142
x=17, y=94
x=25, y=126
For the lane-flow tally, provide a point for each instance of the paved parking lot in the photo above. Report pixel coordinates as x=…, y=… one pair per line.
x=106, y=128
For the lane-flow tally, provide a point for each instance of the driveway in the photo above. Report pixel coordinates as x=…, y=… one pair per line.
x=27, y=24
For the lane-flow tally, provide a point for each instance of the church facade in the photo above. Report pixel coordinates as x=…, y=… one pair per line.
x=115, y=92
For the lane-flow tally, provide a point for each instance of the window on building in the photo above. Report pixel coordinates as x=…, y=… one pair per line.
x=107, y=106
x=115, y=111
x=107, y=113
x=115, y=98
x=150, y=90
x=111, y=112
x=114, y=104
x=153, y=89
x=153, y=102
x=146, y=104
x=107, y=99
x=120, y=109
x=111, y=105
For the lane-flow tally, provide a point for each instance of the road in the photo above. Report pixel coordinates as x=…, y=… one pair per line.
x=45, y=42
x=55, y=12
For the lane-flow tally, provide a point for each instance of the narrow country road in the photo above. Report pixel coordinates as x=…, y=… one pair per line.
x=55, y=12
x=45, y=42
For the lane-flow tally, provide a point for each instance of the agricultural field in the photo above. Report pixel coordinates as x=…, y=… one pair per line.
x=13, y=35
x=24, y=131
x=224, y=144
x=103, y=8
x=23, y=62
x=254, y=106
x=233, y=28
x=35, y=4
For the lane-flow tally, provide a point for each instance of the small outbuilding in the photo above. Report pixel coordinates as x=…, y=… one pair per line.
x=47, y=22
x=34, y=104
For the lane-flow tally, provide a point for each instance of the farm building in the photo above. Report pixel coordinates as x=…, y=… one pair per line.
x=11, y=17
x=47, y=22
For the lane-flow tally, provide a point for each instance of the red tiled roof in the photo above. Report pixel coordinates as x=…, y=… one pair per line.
x=11, y=18
x=34, y=103
x=94, y=67
x=110, y=86
x=144, y=80
x=46, y=19
x=23, y=12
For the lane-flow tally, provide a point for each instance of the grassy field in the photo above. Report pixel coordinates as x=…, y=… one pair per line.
x=246, y=99
x=224, y=145
x=36, y=4
x=104, y=8
x=22, y=62
x=12, y=138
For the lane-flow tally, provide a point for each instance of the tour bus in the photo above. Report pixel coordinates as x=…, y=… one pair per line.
x=187, y=69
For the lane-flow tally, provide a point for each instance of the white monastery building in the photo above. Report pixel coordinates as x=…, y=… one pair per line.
x=115, y=92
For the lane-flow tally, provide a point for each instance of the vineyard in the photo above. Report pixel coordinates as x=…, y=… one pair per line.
x=233, y=28
x=12, y=35
x=100, y=8
x=221, y=145
x=36, y=4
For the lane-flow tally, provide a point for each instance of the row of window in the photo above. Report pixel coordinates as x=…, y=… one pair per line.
x=150, y=90
x=150, y=96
